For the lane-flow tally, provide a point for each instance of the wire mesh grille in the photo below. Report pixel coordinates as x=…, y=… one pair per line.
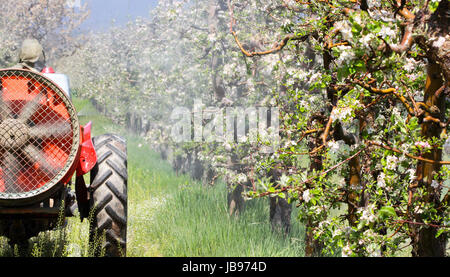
x=38, y=134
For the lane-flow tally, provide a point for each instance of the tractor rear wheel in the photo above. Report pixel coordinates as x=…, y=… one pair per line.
x=108, y=196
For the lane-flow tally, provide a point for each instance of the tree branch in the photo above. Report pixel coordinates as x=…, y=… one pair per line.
x=279, y=46
x=388, y=91
x=369, y=142
x=299, y=189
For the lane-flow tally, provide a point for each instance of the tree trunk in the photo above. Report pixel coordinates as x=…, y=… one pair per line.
x=280, y=209
x=313, y=248
x=214, y=7
x=353, y=198
x=235, y=200
x=280, y=215
x=425, y=243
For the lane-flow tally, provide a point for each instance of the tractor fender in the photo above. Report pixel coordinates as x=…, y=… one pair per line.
x=88, y=156
x=87, y=161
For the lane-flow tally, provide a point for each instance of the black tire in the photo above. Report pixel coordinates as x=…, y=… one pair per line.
x=108, y=196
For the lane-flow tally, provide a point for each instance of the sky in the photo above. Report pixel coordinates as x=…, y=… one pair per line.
x=103, y=12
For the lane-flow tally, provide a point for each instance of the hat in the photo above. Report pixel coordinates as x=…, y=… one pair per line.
x=31, y=51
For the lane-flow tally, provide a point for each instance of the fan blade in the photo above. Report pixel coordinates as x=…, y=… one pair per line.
x=10, y=172
x=57, y=130
x=34, y=155
x=5, y=111
x=30, y=108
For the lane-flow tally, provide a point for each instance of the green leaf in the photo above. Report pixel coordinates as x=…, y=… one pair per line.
x=359, y=63
x=352, y=70
x=440, y=232
x=361, y=224
x=433, y=6
x=343, y=72
x=386, y=212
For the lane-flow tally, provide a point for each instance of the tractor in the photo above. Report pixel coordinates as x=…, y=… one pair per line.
x=45, y=154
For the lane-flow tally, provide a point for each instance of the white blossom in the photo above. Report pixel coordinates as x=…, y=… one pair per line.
x=410, y=65
x=228, y=69
x=315, y=77
x=347, y=251
x=373, y=3
x=346, y=55
x=381, y=182
x=439, y=42
x=242, y=178
x=334, y=146
x=306, y=196
x=336, y=232
x=341, y=114
x=357, y=19
x=422, y=144
x=367, y=216
x=284, y=180
x=387, y=32
x=391, y=162
x=227, y=146
x=435, y=184
x=366, y=40
x=412, y=175
x=345, y=30
x=396, y=112
x=418, y=210
x=289, y=143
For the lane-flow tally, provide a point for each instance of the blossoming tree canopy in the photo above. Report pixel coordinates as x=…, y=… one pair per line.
x=361, y=86
x=384, y=79
x=52, y=22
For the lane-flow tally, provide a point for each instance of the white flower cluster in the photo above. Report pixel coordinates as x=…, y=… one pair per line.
x=371, y=248
x=435, y=184
x=391, y=162
x=227, y=146
x=284, y=180
x=242, y=178
x=229, y=69
x=367, y=214
x=410, y=65
x=381, y=180
x=439, y=42
x=345, y=29
x=412, y=175
x=387, y=32
x=334, y=146
x=346, y=55
x=373, y=3
x=381, y=14
x=341, y=113
x=422, y=145
x=306, y=196
x=366, y=40
x=347, y=251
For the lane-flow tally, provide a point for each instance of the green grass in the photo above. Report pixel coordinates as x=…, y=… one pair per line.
x=173, y=216
x=170, y=215
x=195, y=223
